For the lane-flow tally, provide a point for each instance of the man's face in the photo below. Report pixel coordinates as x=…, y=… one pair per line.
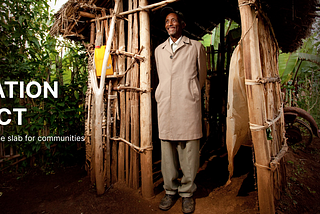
x=173, y=25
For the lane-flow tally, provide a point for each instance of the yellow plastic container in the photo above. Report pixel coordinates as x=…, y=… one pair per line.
x=98, y=59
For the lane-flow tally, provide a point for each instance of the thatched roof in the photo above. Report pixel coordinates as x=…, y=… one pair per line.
x=291, y=19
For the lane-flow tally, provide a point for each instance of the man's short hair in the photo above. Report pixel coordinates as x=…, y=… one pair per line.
x=167, y=10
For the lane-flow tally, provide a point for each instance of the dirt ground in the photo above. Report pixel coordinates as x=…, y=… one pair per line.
x=68, y=190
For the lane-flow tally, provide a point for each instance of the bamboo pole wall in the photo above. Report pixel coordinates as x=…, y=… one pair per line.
x=118, y=126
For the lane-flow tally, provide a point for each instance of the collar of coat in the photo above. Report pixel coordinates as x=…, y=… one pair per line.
x=184, y=40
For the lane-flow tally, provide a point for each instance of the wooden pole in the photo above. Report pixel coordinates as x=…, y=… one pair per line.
x=92, y=33
x=121, y=156
x=256, y=104
x=97, y=129
x=98, y=95
x=114, y=146
x=108, y=45
x=207, y=95
x=107, y=169
x=135, y=102
x=128, y=95
x=145, y=105
x=221, y=77
x=91, y=114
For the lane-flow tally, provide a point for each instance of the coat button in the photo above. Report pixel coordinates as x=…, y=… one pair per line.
x=171, y=57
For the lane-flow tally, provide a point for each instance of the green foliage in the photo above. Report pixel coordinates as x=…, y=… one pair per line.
x=300, y=76
x=287, y=64
x=231, y=29
x=214, y=38
x=28, y=54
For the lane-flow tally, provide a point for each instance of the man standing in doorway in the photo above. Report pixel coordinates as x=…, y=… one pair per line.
x=181, y=67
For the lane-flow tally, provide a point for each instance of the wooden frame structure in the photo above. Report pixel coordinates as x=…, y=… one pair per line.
x=117, y=152
x=108, y=160
x=109, y=157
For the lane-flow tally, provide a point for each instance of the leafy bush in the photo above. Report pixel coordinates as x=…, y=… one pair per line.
x=28, y=53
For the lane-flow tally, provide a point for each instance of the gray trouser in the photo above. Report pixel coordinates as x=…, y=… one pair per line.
x=184, y=154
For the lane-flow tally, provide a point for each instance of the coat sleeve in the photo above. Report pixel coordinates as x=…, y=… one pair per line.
x=156, y=58
x=202, y=65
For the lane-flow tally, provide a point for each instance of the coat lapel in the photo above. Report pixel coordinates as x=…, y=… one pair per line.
x=166, y=46
x=184, y=40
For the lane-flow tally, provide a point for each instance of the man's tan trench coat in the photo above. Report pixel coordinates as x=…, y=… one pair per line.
x=178, y=95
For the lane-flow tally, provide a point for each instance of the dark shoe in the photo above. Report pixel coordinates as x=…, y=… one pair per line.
x=187, y=204
x=167, y=202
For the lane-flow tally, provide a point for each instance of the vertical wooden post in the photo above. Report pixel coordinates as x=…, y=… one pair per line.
x=145, y=105
x=256, y=104
x=92, y=33
x=98, y=92
x=221, y=77
x=135, y=102
x=98, y=150
x=107, y=169
x=121, y=59
x=207, y=96
x=114, y=144
x=128, y=94
x=91, y=115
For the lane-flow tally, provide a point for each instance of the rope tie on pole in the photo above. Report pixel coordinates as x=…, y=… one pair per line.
x=268, y=123
x=261, y=166
x=264, y=80
x=250, y=2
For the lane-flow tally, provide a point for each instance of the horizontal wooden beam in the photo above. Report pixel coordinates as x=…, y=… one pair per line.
x=138, y=9
x=18, y=161
x=87, y=15
x=9, y=158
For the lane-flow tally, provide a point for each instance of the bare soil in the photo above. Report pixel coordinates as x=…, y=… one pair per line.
x=68, y=190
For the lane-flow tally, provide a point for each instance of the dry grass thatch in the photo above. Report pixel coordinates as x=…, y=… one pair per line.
x=291, y=19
